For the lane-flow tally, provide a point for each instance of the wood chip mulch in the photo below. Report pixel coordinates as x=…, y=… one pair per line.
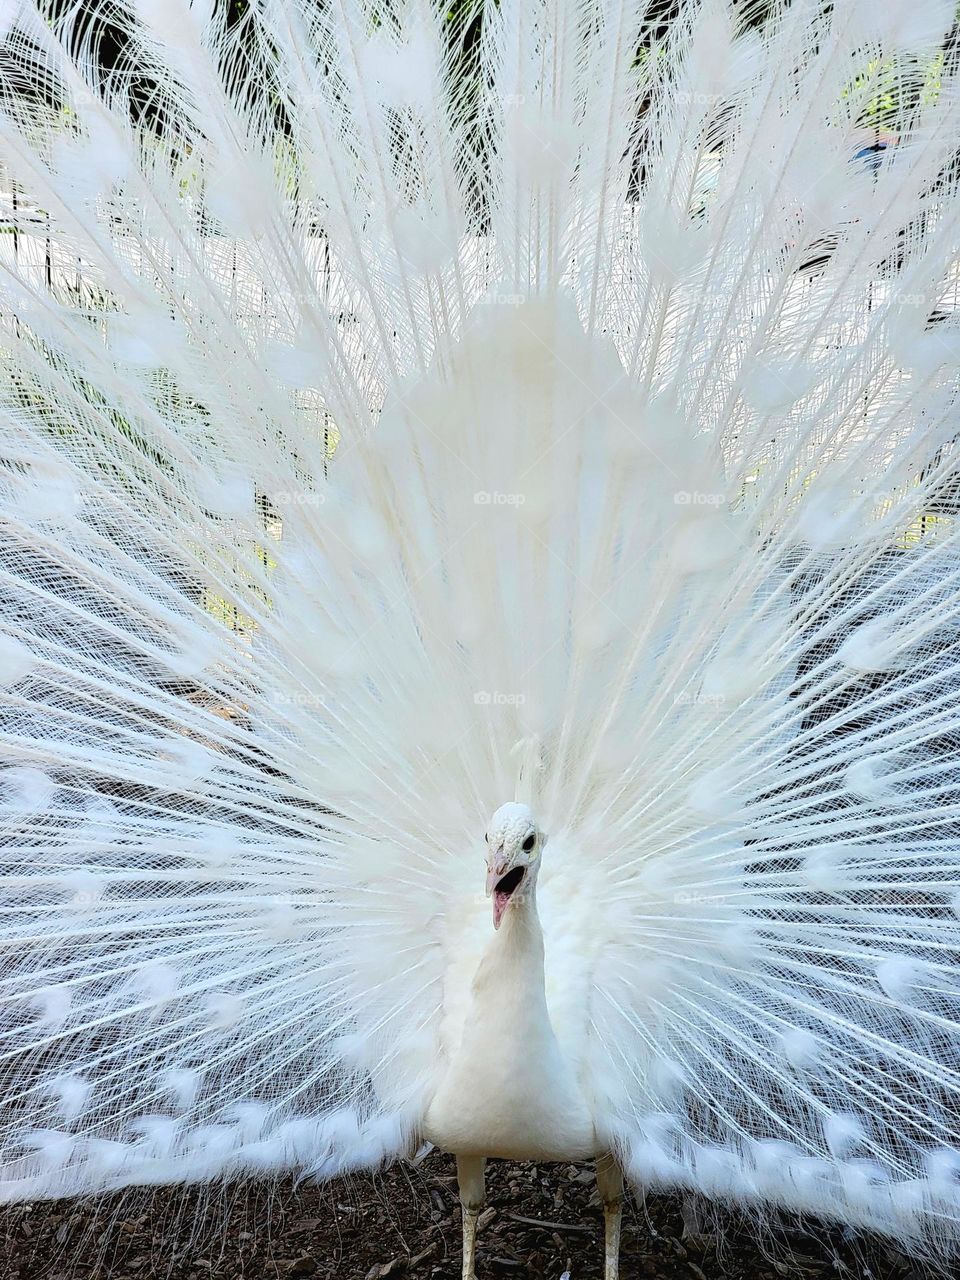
x=541, y=1221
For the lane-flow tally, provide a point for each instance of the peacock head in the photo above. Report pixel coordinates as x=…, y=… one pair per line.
x=514, y=845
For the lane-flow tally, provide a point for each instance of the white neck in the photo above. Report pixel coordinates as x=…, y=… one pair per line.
x=507, y=1090
x=516, y=945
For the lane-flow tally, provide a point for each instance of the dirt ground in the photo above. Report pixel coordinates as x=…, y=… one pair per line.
x=540, y=1222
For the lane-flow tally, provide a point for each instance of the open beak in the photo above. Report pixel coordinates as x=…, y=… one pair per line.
x=503, y=884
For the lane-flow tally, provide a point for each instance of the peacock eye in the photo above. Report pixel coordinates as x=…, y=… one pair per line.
x=528, y=844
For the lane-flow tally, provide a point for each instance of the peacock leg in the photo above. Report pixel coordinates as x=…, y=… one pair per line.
x=610, y=1186
x=470, y=1178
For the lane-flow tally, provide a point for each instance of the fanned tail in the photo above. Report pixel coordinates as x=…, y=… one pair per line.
x=406, y=411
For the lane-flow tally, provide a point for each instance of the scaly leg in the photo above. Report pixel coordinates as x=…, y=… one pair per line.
x=610, y=1186
x=470, y=1178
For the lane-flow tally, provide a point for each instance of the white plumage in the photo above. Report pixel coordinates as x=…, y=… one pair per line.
x=406, y=414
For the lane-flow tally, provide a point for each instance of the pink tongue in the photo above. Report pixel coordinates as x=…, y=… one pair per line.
x=500, y=901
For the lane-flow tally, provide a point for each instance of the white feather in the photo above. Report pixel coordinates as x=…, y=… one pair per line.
x=800, y=1047
x=16, y=660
